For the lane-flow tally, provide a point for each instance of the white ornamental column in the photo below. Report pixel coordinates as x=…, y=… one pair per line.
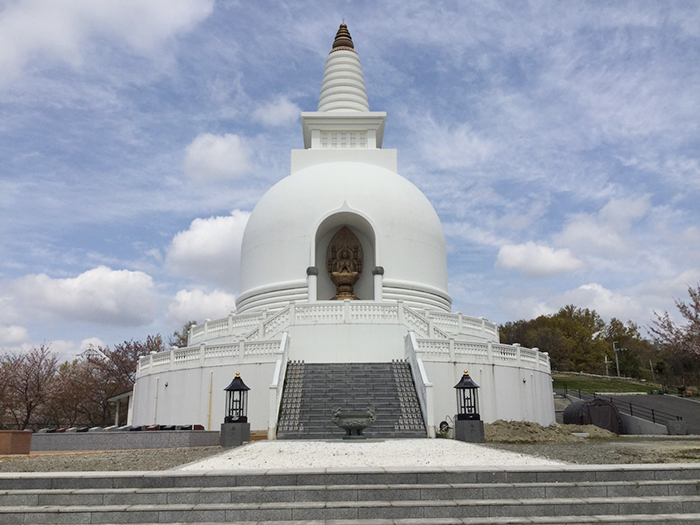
x=312, y=279
x=378, y=273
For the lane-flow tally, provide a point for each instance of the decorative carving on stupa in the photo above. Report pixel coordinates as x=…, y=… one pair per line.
x=344, y=262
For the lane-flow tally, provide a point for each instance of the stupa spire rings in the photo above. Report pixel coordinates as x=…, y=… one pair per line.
x=343, y=86
x=343, y=40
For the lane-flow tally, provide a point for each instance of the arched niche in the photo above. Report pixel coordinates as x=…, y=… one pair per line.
x=364, y=288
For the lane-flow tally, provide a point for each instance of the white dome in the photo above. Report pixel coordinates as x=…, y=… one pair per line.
x=291, y=226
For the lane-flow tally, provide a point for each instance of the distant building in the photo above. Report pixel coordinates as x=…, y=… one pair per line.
x=343, y=261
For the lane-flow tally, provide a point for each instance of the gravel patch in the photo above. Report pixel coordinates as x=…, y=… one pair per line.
x=370, y=453
x=151, y=459
x=622, y=451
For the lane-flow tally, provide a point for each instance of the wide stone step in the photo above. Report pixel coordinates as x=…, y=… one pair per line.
x=555, y=494
x=666, y=473
x=315, y=493
x=355, y=510
x=633, y=519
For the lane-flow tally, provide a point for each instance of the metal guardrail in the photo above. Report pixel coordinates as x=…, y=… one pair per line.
x=631, y=409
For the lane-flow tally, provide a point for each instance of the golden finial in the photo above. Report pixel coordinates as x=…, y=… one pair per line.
x=343, y=38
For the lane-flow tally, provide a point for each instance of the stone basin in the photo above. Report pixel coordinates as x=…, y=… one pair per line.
x=353, y=422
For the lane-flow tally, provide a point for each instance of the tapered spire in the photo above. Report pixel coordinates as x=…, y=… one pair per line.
x=343, y=87
x=343, y=38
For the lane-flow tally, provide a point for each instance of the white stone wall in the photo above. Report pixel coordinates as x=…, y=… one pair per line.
x=506, y=392
x=185, y=399
x=515, y=382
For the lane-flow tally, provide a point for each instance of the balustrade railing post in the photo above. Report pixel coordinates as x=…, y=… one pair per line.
x=241, y=351
x=202, y=353
x=452, y=350
x=489, y=352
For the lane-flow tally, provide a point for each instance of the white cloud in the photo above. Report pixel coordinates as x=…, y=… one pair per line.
x=197, y=305
x=61, y=31
x=213, y=157
x=607, y=232
x=210, y=250
x=281, y=112
x=537, y=261
x=100, y=295
x=619, y=213
x=585, y=235
x=13, y=335
x=606, y=303
x=91, y=342
x=449, y=147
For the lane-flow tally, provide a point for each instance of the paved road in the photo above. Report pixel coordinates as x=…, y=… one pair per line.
x=688, y=409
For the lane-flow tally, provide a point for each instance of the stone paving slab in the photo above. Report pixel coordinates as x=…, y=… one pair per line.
x=637, y=519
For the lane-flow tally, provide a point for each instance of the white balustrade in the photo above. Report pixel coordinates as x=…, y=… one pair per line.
x=185, y=355
x=416, y=321
x=277, y=322
x=221, y=351
x=505, y=352
x=439, y=350
x=331, y=312
x=478, y=350
x=266, y=324
x=360, y=312
x=257, y=349
x=212, y=355
x=160, y=359
x=277, y=387
x=424, y=388
x=446, y=321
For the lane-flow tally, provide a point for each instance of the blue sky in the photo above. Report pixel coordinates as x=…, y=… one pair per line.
x=558, y=141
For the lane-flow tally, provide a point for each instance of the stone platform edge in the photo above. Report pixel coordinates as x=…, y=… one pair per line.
x=124, y=440
x=661, y=468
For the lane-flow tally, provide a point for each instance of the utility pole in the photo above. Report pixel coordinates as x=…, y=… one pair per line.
x=651, y=367
x=607, y=362
x=617, y=361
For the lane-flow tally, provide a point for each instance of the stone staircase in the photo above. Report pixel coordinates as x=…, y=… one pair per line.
x=312, y=390
x=573, y=494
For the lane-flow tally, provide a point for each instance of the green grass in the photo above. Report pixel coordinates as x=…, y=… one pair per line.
x=597, y=384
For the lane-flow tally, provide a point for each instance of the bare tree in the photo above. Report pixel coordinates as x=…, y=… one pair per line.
x=180, y=339
x=30, y=384
x=682, y=342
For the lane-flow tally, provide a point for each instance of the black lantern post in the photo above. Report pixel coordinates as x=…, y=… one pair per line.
x=467, y=398
x=235, y=428
x=236, y=401
x=468, y=424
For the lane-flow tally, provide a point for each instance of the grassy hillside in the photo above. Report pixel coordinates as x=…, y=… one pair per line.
x=600, y=384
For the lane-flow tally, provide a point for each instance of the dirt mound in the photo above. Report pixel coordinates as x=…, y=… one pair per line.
x=526, y=432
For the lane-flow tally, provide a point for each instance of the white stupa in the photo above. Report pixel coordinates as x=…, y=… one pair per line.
x=343, y=261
